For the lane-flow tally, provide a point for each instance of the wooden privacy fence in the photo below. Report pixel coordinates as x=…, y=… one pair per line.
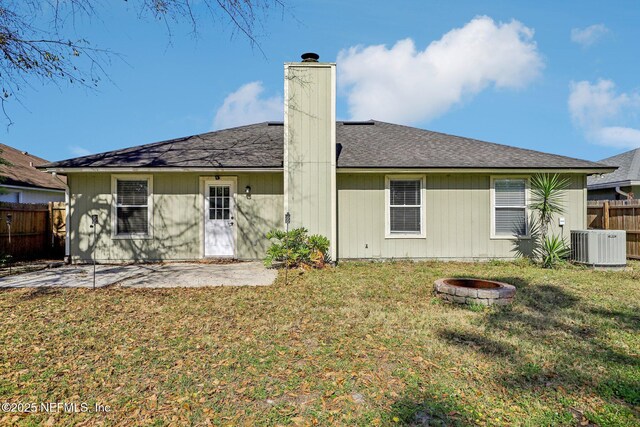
x=617, y=215
x=37, y=230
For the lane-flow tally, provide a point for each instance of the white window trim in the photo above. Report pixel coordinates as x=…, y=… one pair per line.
x=114, y=206
x=527, y=192
x=387, y=206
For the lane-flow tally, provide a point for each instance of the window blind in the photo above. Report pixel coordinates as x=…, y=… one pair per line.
x=510, y=221
x=132, y=192
x=405, y=193
x=405, y=219
x=510, y=192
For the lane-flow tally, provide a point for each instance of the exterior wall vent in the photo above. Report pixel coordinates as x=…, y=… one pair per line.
x=599, y=248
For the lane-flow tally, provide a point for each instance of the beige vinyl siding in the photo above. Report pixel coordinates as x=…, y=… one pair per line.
x=256, y=216
x=176, y=217
x=309, y=158
x=457, y=218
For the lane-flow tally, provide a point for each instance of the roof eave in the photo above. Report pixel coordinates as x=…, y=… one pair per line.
x=341, y=169
x=614, y=184
x=120, y=169
x=386, y=169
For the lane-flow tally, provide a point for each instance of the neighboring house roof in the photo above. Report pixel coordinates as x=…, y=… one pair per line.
x=628, y=172
x=23, y=173
x=371, y=144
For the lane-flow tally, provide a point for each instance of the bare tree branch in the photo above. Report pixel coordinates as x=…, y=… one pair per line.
x=31, y=53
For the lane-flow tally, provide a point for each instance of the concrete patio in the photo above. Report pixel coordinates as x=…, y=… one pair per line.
x=172, y=275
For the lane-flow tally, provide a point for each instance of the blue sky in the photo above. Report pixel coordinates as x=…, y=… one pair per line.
x=560, y=77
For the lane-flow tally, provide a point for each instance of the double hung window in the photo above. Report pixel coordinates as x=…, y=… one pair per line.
x=132, y=210
x=405, y=207
x=510, y=207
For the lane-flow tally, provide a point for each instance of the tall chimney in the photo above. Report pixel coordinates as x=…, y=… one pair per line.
x=310, y=146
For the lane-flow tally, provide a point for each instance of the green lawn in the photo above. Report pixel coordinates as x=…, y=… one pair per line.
x=360, y=344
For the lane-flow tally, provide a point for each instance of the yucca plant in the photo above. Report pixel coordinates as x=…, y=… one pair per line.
x=547, y=192
x=554, y=250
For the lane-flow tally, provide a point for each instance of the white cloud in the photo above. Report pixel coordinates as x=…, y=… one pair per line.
x=605, y=117
x=78, y=151
x=246, y=106
x=620, y=137
x=591, y=104
x=589, y=35
x=406, y=85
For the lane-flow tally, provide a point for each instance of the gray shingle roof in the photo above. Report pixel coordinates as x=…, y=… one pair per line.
x=628, y=170
x=371, y=144
x=389, y=145
x=253, y=146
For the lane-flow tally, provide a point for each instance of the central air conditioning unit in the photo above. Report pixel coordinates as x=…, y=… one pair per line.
x=599, y=248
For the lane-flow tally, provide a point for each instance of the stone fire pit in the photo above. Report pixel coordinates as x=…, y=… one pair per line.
x=474, y=291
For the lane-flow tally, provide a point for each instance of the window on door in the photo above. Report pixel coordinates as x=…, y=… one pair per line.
x=219, y=202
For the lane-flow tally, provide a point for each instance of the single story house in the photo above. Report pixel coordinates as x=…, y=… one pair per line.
x=377, y=190
x=622, y=184
x=21, y=182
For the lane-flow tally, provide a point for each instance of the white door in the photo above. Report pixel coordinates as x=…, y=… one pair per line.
x=219, y=219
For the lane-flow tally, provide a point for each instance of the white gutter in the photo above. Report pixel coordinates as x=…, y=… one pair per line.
x=67, y=242
x=622, y=193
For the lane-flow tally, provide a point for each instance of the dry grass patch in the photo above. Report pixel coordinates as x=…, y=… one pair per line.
x=363, y=344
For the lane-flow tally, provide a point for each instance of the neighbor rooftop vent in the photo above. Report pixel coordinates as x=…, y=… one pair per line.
x=310, y=57
x=360, y=123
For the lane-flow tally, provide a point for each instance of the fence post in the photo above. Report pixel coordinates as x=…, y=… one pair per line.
x=50, y=225
x=605, y=215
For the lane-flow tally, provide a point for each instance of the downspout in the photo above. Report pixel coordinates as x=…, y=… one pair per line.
x=67, y=240
x=622, y=193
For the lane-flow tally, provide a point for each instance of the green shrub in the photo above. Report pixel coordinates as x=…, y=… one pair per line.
x=5, y=259
x=296, y=248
